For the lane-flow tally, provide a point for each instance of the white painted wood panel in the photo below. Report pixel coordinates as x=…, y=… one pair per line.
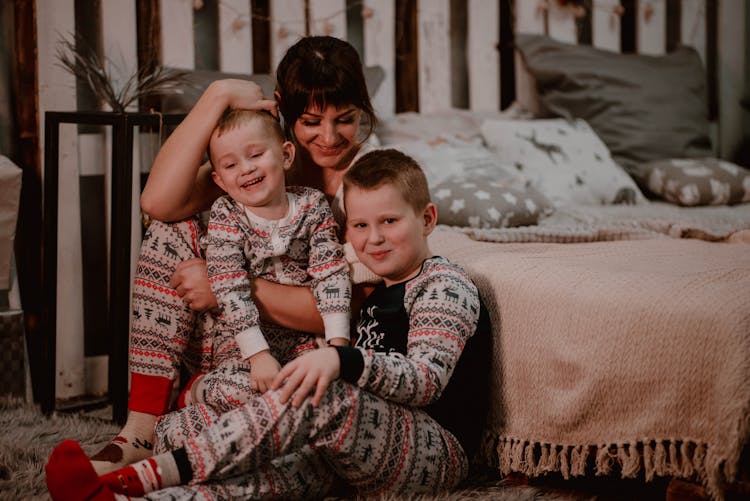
x=434, y=55
x=482, y=52
x=693, y=25
x=732, y=45
x=529, y=16
x=235, y=36
x=605, y=25
x=57, y=92
x=379, y=24
x=651, y=27
x=328, y=17
x=561, y=23
x=287, y=26
x=177, y=37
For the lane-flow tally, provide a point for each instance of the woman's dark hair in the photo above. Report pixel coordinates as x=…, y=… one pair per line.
x=319, y=71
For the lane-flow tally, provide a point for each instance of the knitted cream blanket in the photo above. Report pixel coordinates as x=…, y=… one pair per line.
x=631, y=356
x=621, y=222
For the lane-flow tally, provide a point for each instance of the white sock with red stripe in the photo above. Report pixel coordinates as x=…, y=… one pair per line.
x=151, y=474
x=134, y=442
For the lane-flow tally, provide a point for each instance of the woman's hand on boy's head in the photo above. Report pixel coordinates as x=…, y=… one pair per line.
x=246, y=95
x=310, y=372
x=190, y=280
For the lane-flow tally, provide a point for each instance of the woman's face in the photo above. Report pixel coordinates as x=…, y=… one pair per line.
x=328, y=137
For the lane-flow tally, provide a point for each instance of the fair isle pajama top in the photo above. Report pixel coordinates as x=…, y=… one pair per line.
x=301, y=248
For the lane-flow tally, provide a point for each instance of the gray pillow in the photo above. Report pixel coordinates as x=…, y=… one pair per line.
x=698, y=181
x=643, y=107
x=488, y=202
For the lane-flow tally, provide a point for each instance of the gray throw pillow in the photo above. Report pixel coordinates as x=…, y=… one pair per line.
x=488, y=202
x=698, y=181
x=643, y=107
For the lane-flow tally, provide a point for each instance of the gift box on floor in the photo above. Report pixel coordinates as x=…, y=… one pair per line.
x=12, y=354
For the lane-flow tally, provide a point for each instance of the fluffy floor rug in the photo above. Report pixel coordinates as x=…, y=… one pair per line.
x=27, y=438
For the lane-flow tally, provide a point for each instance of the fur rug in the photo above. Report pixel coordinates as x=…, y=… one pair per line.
x=28, y=437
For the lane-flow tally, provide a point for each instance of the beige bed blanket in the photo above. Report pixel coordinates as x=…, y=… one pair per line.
x=632, y=355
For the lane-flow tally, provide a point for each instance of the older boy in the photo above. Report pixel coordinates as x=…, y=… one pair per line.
x=392, y=415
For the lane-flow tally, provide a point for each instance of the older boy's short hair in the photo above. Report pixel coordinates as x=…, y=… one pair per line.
x=393, y=167
x=231, y=119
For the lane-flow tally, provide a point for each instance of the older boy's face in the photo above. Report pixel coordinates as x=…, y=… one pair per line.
x=388, y=236
x=249, y=163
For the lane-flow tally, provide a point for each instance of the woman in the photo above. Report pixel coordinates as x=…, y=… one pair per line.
x=322, y=95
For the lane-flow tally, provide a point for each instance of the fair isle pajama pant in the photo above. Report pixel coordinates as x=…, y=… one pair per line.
x=266, y=449
x=166, y=333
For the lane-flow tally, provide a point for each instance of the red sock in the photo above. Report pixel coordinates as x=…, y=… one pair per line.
x=70, y=476
x=127, y=481
x=186, y=391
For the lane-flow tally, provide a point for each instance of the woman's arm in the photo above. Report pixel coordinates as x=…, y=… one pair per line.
x=288, y=305
x=178, y=186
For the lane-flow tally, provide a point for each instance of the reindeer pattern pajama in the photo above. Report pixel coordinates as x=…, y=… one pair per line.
x=379, y=426
x=300, y=249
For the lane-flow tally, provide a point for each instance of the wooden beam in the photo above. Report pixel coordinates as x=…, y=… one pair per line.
x=407, y=56
x=261, y=31
x=28, y=243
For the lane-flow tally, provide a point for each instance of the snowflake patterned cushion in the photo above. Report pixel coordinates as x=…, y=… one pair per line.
x=697, y=181
x=565, y=160
x=489, y=202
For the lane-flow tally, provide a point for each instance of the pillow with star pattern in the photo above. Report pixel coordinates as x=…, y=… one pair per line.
x=565, y=160
x=472, y=187
x=489, y=202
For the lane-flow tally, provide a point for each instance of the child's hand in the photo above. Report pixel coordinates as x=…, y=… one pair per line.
x=339, y=341
x=263, y=370
x=315, y=369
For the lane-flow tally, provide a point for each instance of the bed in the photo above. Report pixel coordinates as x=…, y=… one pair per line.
x=611, y=247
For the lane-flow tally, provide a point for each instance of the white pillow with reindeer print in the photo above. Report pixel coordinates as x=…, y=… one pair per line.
x=565, y=160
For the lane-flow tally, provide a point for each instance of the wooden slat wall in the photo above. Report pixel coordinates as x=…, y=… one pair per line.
x=482, y=53
x=410, y=39
x=380, y=50
x=235, y=37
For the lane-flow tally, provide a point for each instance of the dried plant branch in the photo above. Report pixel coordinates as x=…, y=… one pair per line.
x=80, y=59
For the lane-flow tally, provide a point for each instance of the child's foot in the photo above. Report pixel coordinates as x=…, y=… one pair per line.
x=71, y=477
x=135, y=442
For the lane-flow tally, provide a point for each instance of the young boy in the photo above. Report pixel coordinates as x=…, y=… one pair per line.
x=399, y=413
x=263, y=229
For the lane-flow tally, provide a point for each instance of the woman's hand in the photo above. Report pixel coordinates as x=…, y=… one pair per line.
x=246, y=95
x=313, y=370
x=190, y=280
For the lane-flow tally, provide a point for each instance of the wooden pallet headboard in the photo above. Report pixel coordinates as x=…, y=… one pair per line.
x=435, y=53
x=442, y=53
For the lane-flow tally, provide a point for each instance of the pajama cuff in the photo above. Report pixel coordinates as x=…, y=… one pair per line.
x=184, y=467
x=149, y=394
x=336, y=325
x=352, y=363
x=251, y=341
